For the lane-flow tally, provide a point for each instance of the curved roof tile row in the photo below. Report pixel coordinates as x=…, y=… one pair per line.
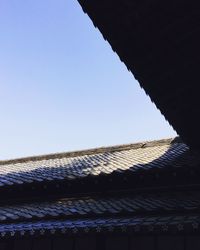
x=167, y=203
x=62, y=167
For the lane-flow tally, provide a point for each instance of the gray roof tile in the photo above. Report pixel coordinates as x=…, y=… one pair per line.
x=103, y=161
x=165, y=203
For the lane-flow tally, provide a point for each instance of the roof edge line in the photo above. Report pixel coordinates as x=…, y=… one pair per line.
x=92, y=151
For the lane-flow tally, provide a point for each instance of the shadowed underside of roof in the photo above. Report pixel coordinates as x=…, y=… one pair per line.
x=159, y=42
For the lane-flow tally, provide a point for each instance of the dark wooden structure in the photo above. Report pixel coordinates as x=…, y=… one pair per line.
x=159, y=43
x=139, y=196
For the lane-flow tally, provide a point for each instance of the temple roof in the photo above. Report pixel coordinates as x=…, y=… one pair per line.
x=142, y=188
x=137, y=165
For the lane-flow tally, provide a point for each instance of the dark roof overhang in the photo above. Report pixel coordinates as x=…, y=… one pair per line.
x=159, y=43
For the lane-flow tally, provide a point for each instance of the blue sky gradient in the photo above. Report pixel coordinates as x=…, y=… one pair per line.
x=62, y=86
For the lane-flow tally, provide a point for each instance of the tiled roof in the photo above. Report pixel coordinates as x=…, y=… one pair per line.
x=133, y=166
x=101, y=189
x=143, y=204
x=132, y=159
x=140, y=213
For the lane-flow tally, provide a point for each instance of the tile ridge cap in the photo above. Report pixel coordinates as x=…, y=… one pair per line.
x=93, y=151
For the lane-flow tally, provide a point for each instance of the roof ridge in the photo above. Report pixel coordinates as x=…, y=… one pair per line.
x=93, y=151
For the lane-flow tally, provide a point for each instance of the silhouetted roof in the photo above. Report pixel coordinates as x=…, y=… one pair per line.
x=159, y=43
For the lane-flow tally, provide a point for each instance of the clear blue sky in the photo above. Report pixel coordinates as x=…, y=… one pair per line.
x=62, y=87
